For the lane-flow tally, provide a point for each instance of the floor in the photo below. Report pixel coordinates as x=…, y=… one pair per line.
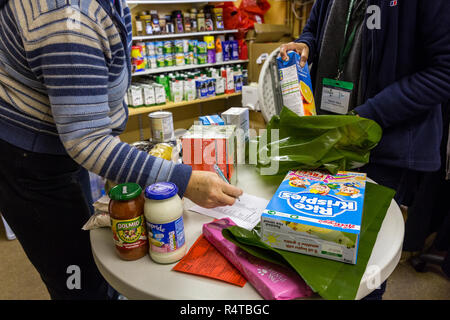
x=20, y=281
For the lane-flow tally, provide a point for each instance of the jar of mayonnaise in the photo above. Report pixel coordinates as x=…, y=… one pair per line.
x=163, y=212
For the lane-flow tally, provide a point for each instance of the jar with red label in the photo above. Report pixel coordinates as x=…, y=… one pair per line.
x=126, y=209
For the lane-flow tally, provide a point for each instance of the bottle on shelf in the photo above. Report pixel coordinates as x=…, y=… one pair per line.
x=170, y=27
x=201, y=21
x=178, y=21
x=155, y=22
x=146, y=19
x=193, y=16
x=139, y=27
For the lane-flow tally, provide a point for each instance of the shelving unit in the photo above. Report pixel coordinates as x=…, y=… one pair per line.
x=181, y=35
x=170, y=105
x=140, y=112
x=186, y=67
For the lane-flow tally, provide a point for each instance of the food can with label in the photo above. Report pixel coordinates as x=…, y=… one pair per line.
x=159, y=47
x=168, y=47
x=160, y=61
x=151, y=62
x=161, y=124
x=179, y=59
x=169, y=59
x=150, y=48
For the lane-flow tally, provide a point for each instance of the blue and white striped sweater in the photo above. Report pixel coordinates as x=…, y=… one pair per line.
x=64, y=71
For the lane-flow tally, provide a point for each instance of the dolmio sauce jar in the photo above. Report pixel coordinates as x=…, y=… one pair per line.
x=126, y=209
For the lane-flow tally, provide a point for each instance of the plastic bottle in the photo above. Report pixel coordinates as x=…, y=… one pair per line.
x=163, y=211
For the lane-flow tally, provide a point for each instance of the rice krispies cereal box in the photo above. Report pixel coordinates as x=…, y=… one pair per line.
x=317, y=214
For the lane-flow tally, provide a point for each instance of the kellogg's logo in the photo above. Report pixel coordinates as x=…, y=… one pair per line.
x=314, y=205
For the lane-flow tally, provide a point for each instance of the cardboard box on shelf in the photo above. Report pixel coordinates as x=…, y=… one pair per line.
x=257, y=55
x=262, y=40
x=268, y=32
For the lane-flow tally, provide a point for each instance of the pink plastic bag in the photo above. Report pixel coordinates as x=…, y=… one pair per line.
x=272, y=281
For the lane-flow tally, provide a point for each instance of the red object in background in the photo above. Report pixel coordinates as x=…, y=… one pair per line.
x=254, y=10
x=234, y=18
x=243, y=49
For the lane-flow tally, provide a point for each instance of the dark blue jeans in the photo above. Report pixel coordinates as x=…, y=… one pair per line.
x=43, y=201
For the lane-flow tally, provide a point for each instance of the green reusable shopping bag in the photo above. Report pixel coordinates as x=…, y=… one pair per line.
x=327, y=142
x=330, y=279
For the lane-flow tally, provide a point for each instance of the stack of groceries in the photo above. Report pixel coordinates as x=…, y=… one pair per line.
x=311, y=213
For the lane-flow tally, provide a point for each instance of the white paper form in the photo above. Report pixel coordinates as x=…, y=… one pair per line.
x=246, y=212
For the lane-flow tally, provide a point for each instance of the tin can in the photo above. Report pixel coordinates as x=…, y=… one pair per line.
x=151, y=62
x=178, y=46
x=202, y=59
x=168, y=46
x=168, y=59
x=159, y=47
x=179, y=58
x=160, y=61
x=150, y=48
x=161, y=124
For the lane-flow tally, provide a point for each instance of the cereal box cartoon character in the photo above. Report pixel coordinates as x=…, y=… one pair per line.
x=320, y=188
x=348, y=190
x=298, y=182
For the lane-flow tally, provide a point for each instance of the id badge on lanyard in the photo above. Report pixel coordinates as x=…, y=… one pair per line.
x=336, y=94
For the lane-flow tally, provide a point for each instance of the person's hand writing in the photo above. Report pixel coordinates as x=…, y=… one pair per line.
x=301, y=48
x=207, y=190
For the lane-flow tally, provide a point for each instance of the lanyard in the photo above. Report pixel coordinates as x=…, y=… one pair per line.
x=345, y=52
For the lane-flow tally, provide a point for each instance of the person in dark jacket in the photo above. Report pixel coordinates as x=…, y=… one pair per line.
x=396, y=57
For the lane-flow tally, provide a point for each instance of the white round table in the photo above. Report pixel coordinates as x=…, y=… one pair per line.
x=145, y=279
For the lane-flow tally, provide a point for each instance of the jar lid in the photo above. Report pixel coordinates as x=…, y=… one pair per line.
x=125, y=191
x=161, y=191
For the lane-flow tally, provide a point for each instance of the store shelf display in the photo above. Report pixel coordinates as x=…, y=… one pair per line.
x=183, y=88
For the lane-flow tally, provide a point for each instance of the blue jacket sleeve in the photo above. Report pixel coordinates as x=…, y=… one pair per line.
x=310, y=33
x=424, y=90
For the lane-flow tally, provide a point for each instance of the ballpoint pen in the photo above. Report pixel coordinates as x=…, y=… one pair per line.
x=220, y=173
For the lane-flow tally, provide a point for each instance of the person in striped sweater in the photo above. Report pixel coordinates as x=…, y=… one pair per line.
x=64, y=71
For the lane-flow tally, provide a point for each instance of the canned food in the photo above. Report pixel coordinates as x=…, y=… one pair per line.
x=168, y=59
x=145, y=146
x=202, y=59
x=160, y=61
x=168, y=47
x=179, y=59
x=159, y=47
x=151, y=62
x=162, y=150
x=151, y=49
x=161, y=124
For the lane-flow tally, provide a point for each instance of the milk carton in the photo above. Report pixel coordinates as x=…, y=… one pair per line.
x=296, y=86
x=212, y=120
x=238, y=117
x=206, y=145
x=317, y=214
